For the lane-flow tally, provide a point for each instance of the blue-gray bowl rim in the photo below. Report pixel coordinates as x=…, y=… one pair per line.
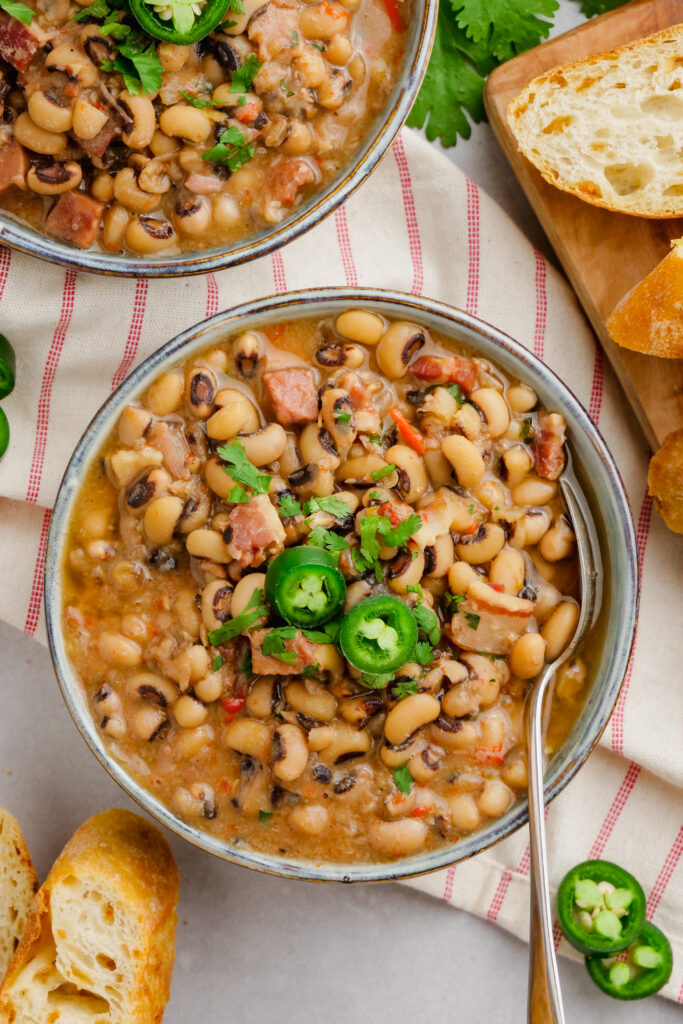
x=386, y=127
x=505, y=351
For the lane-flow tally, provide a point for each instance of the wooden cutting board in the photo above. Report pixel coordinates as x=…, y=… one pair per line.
x=603, y=254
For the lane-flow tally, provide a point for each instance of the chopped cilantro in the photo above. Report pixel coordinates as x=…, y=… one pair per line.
x=284, y=87
x=232, y=150
x=322, y=538
x=375, y=438
x=470, y=510
x=451, y=601
x=245, y=74
x=427, y=622
x=274, y=644
x=241, y=623
x=526, y=429
x=95, y=11
x=241, y=469
x=376, y=531
x=379, y=474
x=138, y=64
x=17, y=10
x=377, y=682
x=332, y=504
x=403, y=780
x=294, y=39
x=415, y=588
x=247, y=667
x=472, y=620
x=310, y=671
x=454, y=390
x=242, y=101
x=236, y=7
x=319, y=46
x=398, y=536
x=264, y=816
x=197, y=101
x=217, y=663
x=375, y=496
x=288, y=506
x=423, y=653
x=404, y=688
x=238, y=495
x=342, y=417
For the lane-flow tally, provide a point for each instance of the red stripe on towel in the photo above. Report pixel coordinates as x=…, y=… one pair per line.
x=616, y=807
x=472, y=297
x=504, y=884
x=134, y=331
x=597, y=387
x=414, y=241
x=211, y=295
x=541, y=304
x=5, y=262
x=45, y=396
x=35, y=603
x=345, y=247
x=279, y=272
x=448, y=887
x=664, y=876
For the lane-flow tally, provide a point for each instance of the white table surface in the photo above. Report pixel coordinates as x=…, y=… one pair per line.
x=252, y=948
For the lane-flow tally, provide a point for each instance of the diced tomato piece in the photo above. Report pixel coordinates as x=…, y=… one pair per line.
x=408, y=432
x=287, y=178
x=393, y=15
x=233, y=705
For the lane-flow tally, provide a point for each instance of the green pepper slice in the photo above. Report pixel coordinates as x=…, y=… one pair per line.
x=378, y=635
x=176, y=22
x=645, y=970
x=8, y=366
x=4, y=432
x=600, y=907
x=305, y=586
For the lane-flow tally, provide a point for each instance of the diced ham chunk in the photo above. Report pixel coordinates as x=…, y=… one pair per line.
x=171, y=442
x=272, y=28
x=75, y=218
x=267, y=665
x=19, y=43
x=100, y=144
x=489, y=620
x=447, y=370
x=254, y=531
x=293, y=395
x=13, y=166
x=548, y=445
x=202, y=184
x=286, y=178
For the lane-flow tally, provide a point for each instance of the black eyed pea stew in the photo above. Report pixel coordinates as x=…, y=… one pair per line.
x=310, y=582
x=141, y=128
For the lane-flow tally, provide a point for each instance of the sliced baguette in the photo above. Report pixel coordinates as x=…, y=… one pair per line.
x=18, y=885
x=650, y=318
x=665, y=481
x=99, y=945
x=609, y=128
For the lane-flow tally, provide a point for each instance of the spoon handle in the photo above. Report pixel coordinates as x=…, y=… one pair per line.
x=545, y=999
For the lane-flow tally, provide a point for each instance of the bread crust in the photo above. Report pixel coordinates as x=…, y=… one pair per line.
x=121, y=852
x=17, y=863
x=649, y=318
x=587, y=189
x=665, y=481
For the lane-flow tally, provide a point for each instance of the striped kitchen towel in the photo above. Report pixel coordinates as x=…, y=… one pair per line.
x=417, y=225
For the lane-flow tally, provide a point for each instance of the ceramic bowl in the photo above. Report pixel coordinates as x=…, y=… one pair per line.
x=593, y=465
x=418, y=45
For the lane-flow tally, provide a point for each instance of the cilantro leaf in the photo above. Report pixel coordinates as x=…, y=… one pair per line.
x=288, y=506
x=403, y=780
x=17, y=10
x=423, y=653
x=416, y=588
x=379, y=474
x=322, y=538
x=236, y=6
x=274, y=644
x=452, y=601
x=591, y=7
x=472, y=620
x=526, y=429
x=264, y=816
x=198, y=102
x=340, y=417
x=98, y=9
x=427, y=622
x=332, y=504
x=217, y=663
x=404, y=688
x=310, y=671
x=247, y=667
x=375, y=438
x=398, y=536
x=377, y=682
x=241, y=623
x=140, y=68
x=507, y=27
x=238, y=495
x=245, y=74
x=231, y=150
x=241, y=469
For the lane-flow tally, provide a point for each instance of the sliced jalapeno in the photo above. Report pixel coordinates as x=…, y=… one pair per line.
x=600, y=907
x=4, y=433
x=643, y=971
x=180, y=22
x=8, y=367
x=378, y=635
x=305, y=586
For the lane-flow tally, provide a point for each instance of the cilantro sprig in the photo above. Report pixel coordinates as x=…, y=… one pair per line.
x=242, y=470
x=256, y=609
x=376, y=531
x=232, y=150
x=322, y=538
x=274, y=642
x=403, y=780
x=244, y=75
x=17, y=10
x=198, y=101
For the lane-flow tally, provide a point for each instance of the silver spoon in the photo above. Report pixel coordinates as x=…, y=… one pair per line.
x=545, y=998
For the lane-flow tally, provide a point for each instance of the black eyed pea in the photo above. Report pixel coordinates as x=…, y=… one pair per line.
x=357, y=68
x=491, y=495
x=460, y=575
x=406, y=569
x=495, y=798
x=311, y=68
x=238, y=21
x=527, y=656
x=196, y=802
x=172, y=57
x=358, y=471
x=196, y=512
x=192, y=216
x=412, y=473
x=446, y=673
x=147, y=235
x=395, y=756
x=521, y=398
x=338, y=50
x=210, y=688
x=329, y=660
x=397, y=346
x=235, y=412
x=127, y=191
x=482, y=546
x=409, y=715
x=165, y=394
x=218, y=480
x=468, y=422
x=493, y=728
x=125, y=465
x=133, y=422
x=312, y=699
x=463, y=811
x=508, y=570
x=533, y=526
x=299, y=141
x=247, y=736
x=486, y=676
x=114, y=726
x=53, y=179
x=226, y=395
x=350, y=356
x=517, y=464
x=407, y=835
x=247, y=349
x=38, y=140
x=438, y=467
x=204, y=543
x=216, y=603
x=559, y=628
x=244, y=591
x=189, y=712
x=355, y=593
x=461, y=699
x=162, y=146
x=571, y=678
x=425, y=765
x=350, y=5
x=114, y=225
x=347, y=743
x=318, y=448
x=200, y=391
x=460, y=736
x=558, y=542
x=264, y=446
x=185, y=122
x=117, y=649
x=149, y=722
x=261, y=699
x=493, y=408
x=161, y=519
x=439, y=556
x=465, y=458
x=102, y=188
x=199, y=663
x=532, y=490
x=153, y=177
x=360, y=325
x=188, y=743
x=332, y=93
x=514, y=771
x=335, y=407
x=319, y=737
x=152, y=688
x=74, y=63
x=311, y=819
x=323, y=21
x=48, y=113
x=289, y=752
x=88, y=120
x=187, y=614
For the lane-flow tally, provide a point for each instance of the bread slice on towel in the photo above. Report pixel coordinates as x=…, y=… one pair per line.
x=650, y=318
x=609, y=128
x=18, y=885
x=99, y=945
